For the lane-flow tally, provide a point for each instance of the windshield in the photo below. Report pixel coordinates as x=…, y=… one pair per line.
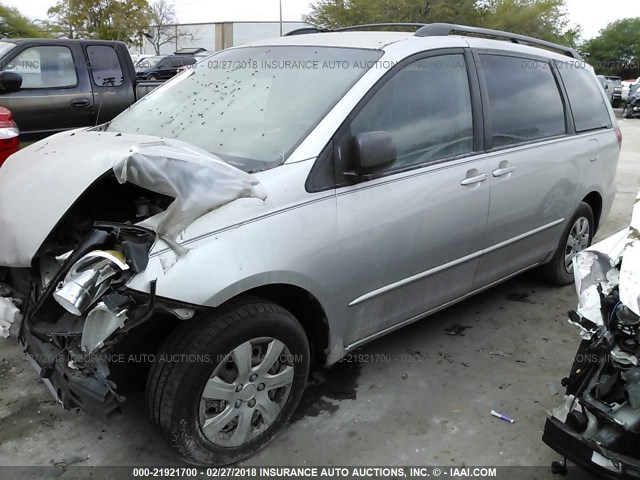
x=251, y=106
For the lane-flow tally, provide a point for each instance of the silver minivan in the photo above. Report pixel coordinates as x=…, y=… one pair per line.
x=284, y=202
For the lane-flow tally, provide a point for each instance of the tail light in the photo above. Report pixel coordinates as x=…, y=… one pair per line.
x=9, y=135
x=619, y=137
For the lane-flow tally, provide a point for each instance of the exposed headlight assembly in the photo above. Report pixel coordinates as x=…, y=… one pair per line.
x=88, y=279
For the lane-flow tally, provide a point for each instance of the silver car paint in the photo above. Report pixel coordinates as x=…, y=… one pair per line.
x=372, y=254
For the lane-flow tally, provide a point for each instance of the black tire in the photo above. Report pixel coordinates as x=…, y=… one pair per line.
x=627, y=113
x=152, y=78
x=616, y=103
x=175, y=388
x=555, y=271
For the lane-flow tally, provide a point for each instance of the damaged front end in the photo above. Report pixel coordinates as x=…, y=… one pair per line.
x=70, y=248
x=598, y=426
x=71, y=330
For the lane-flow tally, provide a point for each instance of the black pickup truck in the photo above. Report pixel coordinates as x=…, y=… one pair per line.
x=52, y=85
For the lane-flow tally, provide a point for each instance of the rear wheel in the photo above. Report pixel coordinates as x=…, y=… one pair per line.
x=152, y=78
x=221, y=389
x=577, y=236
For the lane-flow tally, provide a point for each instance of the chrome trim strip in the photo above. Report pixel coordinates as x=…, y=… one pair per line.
x=433, y=271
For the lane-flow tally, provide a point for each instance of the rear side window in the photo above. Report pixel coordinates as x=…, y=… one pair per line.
x=105, y=66
x=524, y=100
x=44, y=67
x=426, y=107
x=589, y=109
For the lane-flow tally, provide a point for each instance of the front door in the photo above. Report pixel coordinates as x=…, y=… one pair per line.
x=53, y=96
x=410, y=237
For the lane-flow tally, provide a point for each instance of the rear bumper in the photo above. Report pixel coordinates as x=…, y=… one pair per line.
x=70, y=387
x=573, y=447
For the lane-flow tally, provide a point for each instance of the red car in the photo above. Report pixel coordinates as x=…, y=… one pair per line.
x=9, y=135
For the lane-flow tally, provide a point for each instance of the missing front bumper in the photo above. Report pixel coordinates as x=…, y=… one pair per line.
x=588, y=455
x=73, y=390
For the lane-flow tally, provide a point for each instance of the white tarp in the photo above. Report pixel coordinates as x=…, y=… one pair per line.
x=199, y=182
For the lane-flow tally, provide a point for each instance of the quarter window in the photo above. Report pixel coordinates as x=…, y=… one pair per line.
x=524, y=100
x=426, y=107
x=105, y=66
x=44, y=67
x=587, y=103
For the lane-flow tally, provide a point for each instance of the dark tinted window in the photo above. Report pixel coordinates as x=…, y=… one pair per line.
x=524, y=100
x=587, y=103
x=426, y=107
x=105, y=66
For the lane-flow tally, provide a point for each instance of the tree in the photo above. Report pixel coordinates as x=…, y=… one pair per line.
x=14, y=24
x=616, y=50
x=544, y=19
x=340, y=13
x=163, y=21
x=123, y=20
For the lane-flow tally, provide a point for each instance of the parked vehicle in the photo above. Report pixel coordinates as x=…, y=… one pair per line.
x=69, y=83
x=240, y=224
x=166, y=68
x=632, y=105
x=626, y=87
x=148, y=62
x=190, y=51
x=613, y=88
x=596, y=426
x=9, y=135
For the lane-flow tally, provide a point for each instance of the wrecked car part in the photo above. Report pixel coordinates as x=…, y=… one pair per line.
x=196, y=182
x=72, y=345
x=108, y=316
x=200, y=182
x=598, y=427
x=88, y=279
x=10, y=317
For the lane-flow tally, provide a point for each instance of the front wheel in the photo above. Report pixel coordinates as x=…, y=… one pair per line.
x=221, y=389
x=577, y=236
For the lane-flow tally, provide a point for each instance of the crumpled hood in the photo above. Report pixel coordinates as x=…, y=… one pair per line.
x=40, y=183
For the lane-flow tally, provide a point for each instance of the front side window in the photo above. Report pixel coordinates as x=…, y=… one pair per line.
x=105, y=66
x=524, y=100
x=251, y=106
x=589, y=107
x=426, y=108
x=44, y=67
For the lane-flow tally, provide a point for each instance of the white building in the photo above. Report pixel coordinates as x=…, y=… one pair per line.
x=218, y=36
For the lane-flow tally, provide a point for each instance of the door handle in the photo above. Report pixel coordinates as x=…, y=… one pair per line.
x=501, y=172
x=473, y=180
x=80, y=102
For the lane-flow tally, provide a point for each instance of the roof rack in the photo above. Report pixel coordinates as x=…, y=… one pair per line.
x=445, y=29
x=306, y=31
x=369, y=26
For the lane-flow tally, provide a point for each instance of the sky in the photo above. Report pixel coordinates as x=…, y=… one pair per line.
x=592, y=15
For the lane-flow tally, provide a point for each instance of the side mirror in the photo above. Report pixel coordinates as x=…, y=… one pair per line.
x=10, y=82
x=372, y=152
